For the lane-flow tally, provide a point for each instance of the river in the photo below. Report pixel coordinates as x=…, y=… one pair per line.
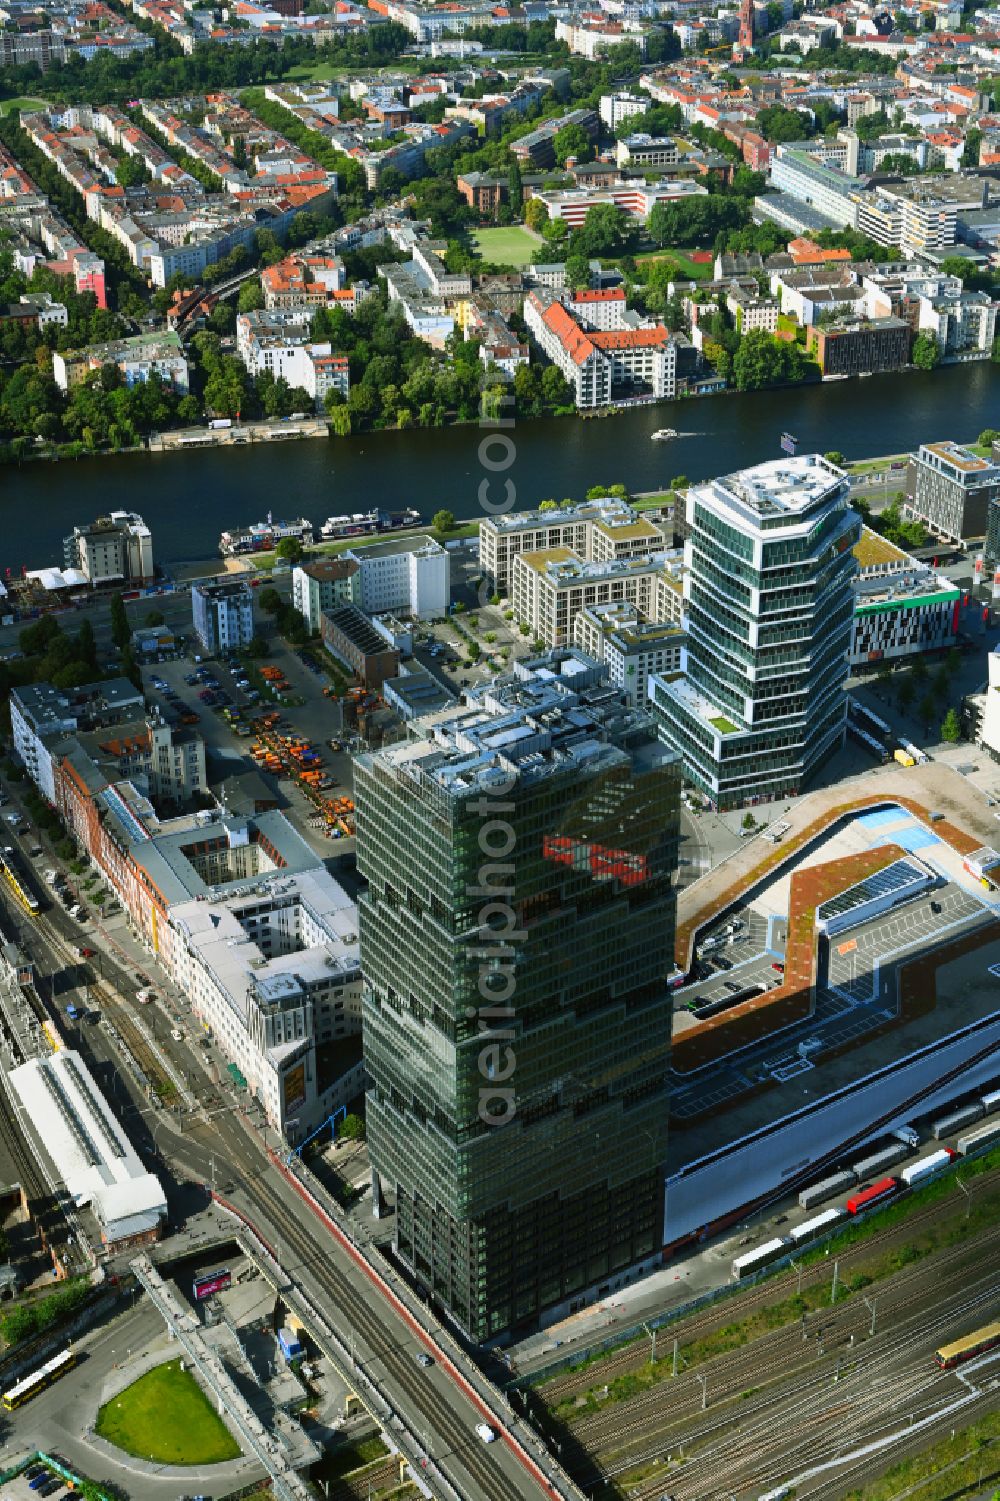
x=189, y=498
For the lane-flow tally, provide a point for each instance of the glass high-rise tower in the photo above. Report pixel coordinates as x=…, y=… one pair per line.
x=516, y=936
x=768, y=606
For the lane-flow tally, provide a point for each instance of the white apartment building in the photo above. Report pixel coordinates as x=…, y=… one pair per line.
x=598, y=308
x=403, y=576
x=595, y=362
x=615, y=109
x=750, y=313
x=324, y=584
x=279, y=342
x=603, y=530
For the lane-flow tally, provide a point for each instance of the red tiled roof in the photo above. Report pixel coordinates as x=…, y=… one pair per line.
x=577, y=344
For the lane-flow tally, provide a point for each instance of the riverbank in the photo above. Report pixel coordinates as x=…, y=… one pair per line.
x=189, y=498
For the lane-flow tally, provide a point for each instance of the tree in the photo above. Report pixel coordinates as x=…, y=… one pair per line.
x=515, y=188
x=121, y=633
x=289, y=548
x=257, y=648
x=353, y=1128
x=577, y=272
x=548, y=505
x=899, y=164
x=536, y=215
x=905, y=695
x=251, y=296
x=443, y=521
x=154, y=618
x=928, y=707
x=573, y=141
x=270, y=600
x=835, y=457
x=926, y=352
x=86, y=645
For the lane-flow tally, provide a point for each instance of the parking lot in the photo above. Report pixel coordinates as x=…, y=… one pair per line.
x=313, y=716
x=37, y=1480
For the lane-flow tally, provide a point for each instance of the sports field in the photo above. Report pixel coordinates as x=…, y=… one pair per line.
x=165, y=1416
x=514, y=246
x=22, y=102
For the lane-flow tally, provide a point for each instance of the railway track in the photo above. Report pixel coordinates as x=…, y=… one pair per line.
x=839, y=1325
x=363, y=1318
x=774, y=1289
x=820, y=1417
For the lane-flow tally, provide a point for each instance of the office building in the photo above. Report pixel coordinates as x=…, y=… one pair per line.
x=222, y=614
x=631, y=648
x=114, y=549
x=902, y=608
x=550, y=588
x=860, y=346
x=408, y=575
x=768, y=611
x=516, y=934
x=596, y=529
x=949, y=488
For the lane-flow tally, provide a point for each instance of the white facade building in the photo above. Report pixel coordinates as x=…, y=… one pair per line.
x=408, y=575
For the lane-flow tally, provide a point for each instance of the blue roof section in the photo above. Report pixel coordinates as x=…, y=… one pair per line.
x=916, y=838
x=881, y=817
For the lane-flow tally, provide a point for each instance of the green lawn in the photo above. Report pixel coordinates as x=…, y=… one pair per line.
x=514, y=246
x=166, y=1417
x=693, y=270
x=24, y=102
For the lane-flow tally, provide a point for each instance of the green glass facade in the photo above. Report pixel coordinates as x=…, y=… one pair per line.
x=769, y=609
x=518, y=1108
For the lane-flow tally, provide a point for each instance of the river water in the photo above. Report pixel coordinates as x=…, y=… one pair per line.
x=189, y=498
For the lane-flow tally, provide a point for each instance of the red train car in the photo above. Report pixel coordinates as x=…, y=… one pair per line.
x=865, y=1197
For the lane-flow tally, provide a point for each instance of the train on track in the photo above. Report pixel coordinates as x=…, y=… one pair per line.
x=960, y=1350
x=862, y=1196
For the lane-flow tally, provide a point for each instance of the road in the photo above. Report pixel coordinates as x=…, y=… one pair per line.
x=219, y=1143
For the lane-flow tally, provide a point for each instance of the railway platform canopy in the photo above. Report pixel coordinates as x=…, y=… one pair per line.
x=88, y=1149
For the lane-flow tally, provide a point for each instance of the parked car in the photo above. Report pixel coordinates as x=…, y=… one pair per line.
x=85, y=953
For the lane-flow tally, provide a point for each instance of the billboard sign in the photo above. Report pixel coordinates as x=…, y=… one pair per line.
x=212, y=1282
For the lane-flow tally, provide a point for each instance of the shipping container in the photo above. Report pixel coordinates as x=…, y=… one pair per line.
x=926, y=1166
x=975, y=1141
x=947, y=1125
x=752, y=1261
x=810, y=1229
x=879, y=1162
x=827, y=1188
x=903, y=758
x=873, y=1194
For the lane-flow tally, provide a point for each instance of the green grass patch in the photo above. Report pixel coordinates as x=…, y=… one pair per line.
x=653, y=502
x=723, y=725
x=24, y=102
x=681, y=260
x=166, y=1417
x=513, y=246
x=958, y=1465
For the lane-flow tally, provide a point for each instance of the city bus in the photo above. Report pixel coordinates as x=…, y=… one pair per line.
x=29, y=1386
x=976, y=1343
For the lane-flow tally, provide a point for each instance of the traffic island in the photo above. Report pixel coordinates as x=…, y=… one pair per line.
x=165, y=1417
